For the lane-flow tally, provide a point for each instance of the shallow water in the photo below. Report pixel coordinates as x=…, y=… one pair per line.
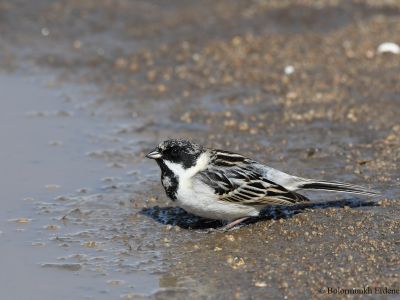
x=50, y=182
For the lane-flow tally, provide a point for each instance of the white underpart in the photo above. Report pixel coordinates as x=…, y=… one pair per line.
x=196, y=197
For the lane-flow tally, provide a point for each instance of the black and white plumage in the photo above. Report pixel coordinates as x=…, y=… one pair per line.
x=223, y=185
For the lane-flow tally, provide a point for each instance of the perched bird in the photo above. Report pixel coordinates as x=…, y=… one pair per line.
x=223, y=185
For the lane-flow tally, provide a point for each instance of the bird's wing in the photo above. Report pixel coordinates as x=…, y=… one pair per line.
x=235, y=180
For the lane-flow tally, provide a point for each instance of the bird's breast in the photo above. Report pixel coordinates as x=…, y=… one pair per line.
x=200, y=199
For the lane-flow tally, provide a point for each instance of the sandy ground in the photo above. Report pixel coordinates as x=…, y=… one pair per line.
x=295, y=84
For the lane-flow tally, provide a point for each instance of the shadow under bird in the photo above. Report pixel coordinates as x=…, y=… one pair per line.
x=223, y=185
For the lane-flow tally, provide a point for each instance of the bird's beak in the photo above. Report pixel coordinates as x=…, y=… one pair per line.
x=155, y=154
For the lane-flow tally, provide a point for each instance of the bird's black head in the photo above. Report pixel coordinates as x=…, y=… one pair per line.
x=180, y=152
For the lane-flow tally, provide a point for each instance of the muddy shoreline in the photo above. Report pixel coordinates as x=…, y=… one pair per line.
x=295, y=84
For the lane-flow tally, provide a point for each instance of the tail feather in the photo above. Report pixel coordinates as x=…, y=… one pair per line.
x=310, y=184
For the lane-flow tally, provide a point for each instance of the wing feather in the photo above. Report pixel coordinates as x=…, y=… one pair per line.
x=235, y=180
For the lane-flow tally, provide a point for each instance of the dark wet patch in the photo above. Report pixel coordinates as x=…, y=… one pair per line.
x=178, y=217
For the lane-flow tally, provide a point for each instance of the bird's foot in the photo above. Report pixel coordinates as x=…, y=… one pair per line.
x=229, y=227
x=232, y=225
x=208, y=230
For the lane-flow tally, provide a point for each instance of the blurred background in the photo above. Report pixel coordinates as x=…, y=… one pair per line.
x=309, y=87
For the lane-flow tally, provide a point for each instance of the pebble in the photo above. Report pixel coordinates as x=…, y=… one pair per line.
x=52, y=187
x=235, y=262
x=21, y=220
x=129, y=296
x=45, y=31
x=289, y=70
x=77, y=44
x=52, y=227
x=230, y=237
x=90, y=244
x=260, y=284
x=116, y=282
x=389, y=48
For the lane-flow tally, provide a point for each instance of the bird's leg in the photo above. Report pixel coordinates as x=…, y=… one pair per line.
x=234, y=223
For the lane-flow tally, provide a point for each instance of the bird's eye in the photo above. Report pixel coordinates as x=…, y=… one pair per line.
x=175, y=152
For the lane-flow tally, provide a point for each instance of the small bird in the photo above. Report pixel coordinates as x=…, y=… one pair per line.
x=223, y=185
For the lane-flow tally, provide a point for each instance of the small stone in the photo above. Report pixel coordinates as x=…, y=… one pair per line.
x=260, y=284
x=90, y=244
x=151, y=75
x=243, y=126
x=129, y=296
x=285, y=285
x=230, y=123
x=186, y=117
x=152, y=199
x=350, y=258
x=230, y=237
x=289, y=70
x=77, y=44
x=115, y=282
x=253, y=131
x=52, y=187
x=52, y=227
x=21, y=220
x=389, y=48
x=134, y=67
x=45, y=31
x=121, y=63
x=161, y=88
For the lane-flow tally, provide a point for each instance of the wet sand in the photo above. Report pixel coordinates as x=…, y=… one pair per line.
x=295, y=84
